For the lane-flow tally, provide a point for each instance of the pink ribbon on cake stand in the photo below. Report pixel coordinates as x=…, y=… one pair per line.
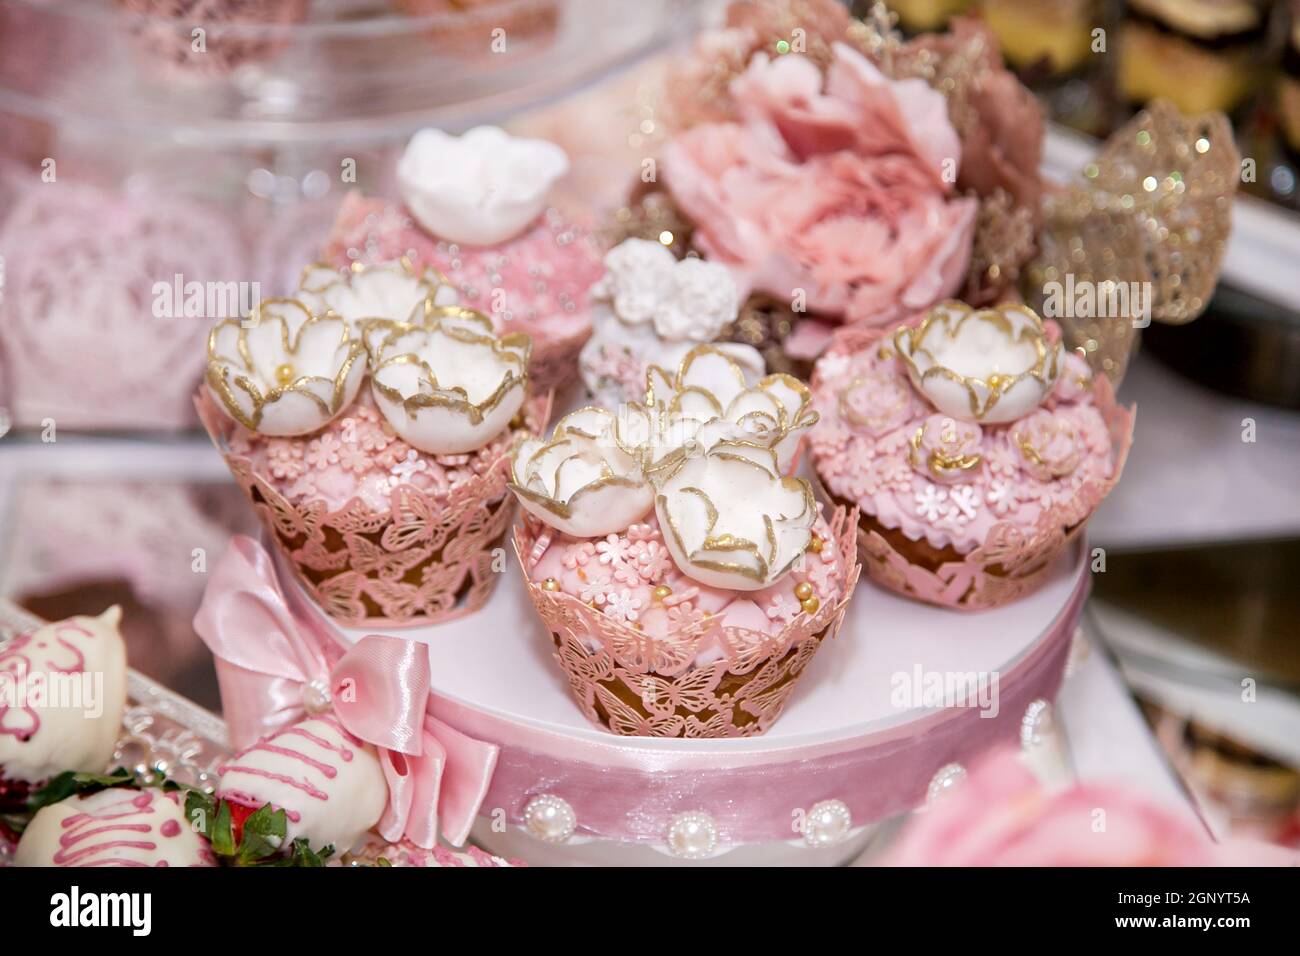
x=276, y=667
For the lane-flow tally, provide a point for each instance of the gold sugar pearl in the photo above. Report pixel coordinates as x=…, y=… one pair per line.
x=803, y=590
x=815, y=545
x=284, y=373
x=810, y=605
x=661, y=592
x=550, y=584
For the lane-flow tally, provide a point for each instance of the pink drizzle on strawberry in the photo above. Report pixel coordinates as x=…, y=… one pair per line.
x=77, y=846
x=16, y=661
x=269, y=745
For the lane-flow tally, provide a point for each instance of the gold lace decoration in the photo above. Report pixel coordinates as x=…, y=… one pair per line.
x=1003, y=242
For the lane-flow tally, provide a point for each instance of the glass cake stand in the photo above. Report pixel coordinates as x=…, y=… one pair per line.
x=129, y=157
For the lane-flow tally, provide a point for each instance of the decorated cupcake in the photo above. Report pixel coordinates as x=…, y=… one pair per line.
x=474, y=209
x=388, y=501
x=1049, y=38
x=685, y=578
x=474, y=29
x=1288, y=89
x=64, y=691
x=974, y=447
x=198, y=38
x=116, y=826
x=650, y=309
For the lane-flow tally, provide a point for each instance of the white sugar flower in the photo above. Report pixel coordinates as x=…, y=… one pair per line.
x=583, y=481
x=481, y=188
x=699, y=301
x=731, y=520
x=687, y=301
x=449, y=384
x=712, y=400
x=393, y=290
x=991, y=365
x=637, y=271
x=650, y=309
x=284, y=371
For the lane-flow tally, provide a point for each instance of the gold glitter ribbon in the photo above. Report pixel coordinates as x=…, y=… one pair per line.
x=1154, y=208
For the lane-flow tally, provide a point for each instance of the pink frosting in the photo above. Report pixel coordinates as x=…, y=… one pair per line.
x=845, y=192
x=620, y=573
x=358, y=455
x=863, y=449
x=536, y=282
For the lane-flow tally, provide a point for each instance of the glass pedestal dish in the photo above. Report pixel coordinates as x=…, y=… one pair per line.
x=141, y=152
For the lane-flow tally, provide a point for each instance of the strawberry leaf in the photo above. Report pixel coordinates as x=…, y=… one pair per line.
x=222, y=834
x=301, y=854
x=72, y=783
x=263, y=836
x=201, y=811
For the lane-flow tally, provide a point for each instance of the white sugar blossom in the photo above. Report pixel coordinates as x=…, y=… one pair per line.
x=394, y=290
x=711, y=399
x=448, y=385
x=650, y=309
x=731, y=520
x=582, y=481
x=637, y=273
x=991, y=365
x=285, y=372
x=481, y=188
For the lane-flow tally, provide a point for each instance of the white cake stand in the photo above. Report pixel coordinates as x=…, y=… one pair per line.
x=859, y=740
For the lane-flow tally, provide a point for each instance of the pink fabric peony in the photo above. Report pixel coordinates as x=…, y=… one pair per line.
x=1001, y=816
x=842, y=192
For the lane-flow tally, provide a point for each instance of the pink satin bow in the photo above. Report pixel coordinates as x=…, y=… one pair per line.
x=276, y=664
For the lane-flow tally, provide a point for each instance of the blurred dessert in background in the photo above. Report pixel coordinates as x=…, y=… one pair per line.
x=1043, y=37
x=1288, y=88
x=916, y=16
x=1202, y=54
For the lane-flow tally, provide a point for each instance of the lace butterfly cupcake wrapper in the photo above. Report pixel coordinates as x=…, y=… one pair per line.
x=1013, y=561
x=425, y=559
x=636, y=684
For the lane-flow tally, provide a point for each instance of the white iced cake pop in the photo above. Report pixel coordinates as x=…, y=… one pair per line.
x=330, y=785
x=114, y=827
x=62, y=693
